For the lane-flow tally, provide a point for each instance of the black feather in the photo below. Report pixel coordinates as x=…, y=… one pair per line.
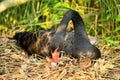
x=45, y=41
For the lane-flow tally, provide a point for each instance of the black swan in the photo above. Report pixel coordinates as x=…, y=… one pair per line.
x=44, y=42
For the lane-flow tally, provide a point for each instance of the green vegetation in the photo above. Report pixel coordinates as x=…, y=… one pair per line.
x=101, y=17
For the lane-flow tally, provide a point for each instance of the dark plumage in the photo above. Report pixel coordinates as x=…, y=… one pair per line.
x=45, y=41
x=81, y=45
x=35, y=42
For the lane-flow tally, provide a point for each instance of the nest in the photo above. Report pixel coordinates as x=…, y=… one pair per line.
x=15, y=65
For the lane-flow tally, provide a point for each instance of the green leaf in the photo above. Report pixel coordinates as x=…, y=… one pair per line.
x=62, y=4
x=58, y=5
x=66, y=5
x=117, y=29
x=118, y=17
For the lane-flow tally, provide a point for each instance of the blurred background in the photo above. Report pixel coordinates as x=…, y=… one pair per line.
x=101, y=17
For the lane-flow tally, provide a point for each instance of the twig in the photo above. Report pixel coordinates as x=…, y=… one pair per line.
x=10, y=3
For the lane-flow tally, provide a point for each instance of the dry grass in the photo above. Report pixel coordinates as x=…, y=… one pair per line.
x=15, y=66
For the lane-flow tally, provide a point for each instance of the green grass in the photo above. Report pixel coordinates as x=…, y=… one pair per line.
x=101, y=17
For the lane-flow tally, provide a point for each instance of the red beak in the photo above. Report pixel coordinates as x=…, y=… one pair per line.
x=55, y=56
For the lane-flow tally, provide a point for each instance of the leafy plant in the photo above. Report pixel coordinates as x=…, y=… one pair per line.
x=100, y=17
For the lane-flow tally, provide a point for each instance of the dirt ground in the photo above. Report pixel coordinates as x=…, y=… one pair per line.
x=14, y=65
